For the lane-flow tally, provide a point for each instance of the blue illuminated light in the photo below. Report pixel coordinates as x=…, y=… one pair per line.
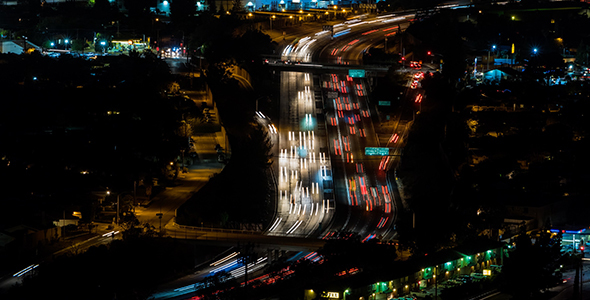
x=341, y=33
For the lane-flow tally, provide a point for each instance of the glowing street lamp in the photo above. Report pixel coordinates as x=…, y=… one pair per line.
x=494, y=49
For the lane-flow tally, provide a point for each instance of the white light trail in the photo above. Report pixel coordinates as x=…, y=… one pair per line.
x=231, y=264
x=25, y=270
x=111, y=233
x=252, y=267
x=225, y=259
x=275, y=224
x=294, y=227
x=317, y=188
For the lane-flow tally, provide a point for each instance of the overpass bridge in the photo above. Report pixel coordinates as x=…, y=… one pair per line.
x=316, y=68
x=230, y=237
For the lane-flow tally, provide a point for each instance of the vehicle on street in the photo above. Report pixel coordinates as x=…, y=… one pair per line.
x=415, y=65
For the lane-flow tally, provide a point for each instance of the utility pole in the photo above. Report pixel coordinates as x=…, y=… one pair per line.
x=159, y=215
x=435, y=283
x=134, y=195
x=582, y=272
x=63, y=224
x=576, y=283
x=117, y=222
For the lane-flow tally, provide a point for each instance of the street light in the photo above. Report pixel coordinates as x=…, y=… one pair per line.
x=117, y=216
x=271, y=19
x=493, y=48
x=119, y=202
x=66, y=41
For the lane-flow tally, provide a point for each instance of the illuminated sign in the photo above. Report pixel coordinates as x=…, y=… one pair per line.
x=333, y=295
x=385, y=103
x=487, y=272
x=356, y=73
x=376, y=151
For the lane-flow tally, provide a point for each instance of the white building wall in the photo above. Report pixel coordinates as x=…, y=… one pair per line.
x=10, y=47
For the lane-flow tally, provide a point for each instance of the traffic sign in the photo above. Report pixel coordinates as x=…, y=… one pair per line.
x=356, y=73
x=376, y=151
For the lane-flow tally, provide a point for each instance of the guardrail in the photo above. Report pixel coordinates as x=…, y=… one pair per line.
x=215, y=229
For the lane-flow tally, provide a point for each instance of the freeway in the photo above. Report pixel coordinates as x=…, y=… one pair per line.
x=302, y=168
x=342, y=124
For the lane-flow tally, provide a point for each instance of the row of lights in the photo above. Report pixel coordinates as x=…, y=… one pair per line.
x=67, y=41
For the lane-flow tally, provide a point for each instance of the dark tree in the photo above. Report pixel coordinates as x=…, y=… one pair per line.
x=182, y=12
x=530, y=268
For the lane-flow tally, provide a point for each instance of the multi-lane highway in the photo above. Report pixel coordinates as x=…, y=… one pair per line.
x=327, y=184
x=303, y=172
